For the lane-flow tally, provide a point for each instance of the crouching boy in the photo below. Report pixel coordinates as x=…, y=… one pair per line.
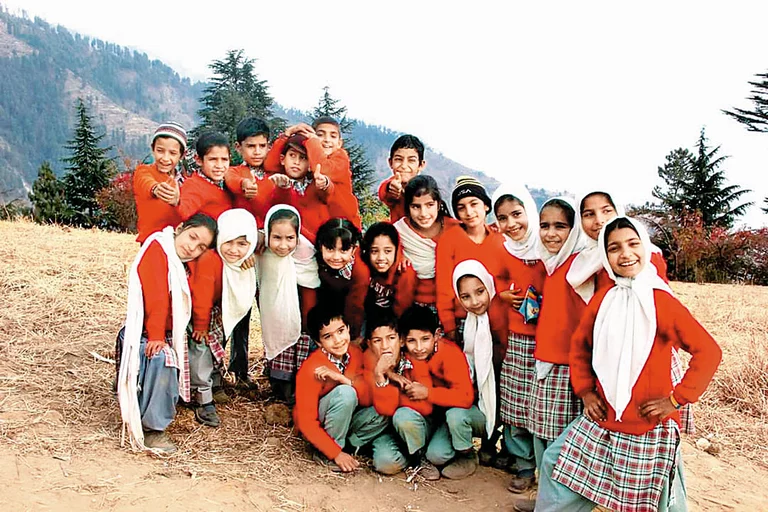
x=333, y=401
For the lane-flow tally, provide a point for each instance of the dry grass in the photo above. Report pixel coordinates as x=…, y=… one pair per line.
x=62, y=296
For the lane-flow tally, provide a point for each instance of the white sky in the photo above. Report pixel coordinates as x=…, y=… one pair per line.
x=563, y=92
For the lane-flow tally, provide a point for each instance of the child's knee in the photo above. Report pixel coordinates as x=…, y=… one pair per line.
x=457, y=418
x=439, y=453
x=345, y=395
x=390, y=465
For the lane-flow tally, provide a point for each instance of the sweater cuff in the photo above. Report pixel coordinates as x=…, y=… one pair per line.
x=678, y=398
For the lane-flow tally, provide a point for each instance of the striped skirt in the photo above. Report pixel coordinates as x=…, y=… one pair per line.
x=553, y=404
x=621, y=472
x=285, y=365
x=518, y=371
x=686, y=412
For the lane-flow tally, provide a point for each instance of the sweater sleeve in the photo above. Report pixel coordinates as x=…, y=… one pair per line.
x=191, y=199
x=153, y=274
x=354, y=372
x=234, y=178
x=583, y=378
x=455, y=372
x=355, y=303
x=202, y=289
x=385, y=399
x=405, y=290
x=384, y=195
x=143, y=181
x=272, y=161
x=444, y=262
x=306, y=411
x=420, y=374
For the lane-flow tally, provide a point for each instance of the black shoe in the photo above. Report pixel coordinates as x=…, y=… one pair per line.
x=207, y=415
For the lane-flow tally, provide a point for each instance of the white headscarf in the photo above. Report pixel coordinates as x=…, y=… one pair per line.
x=279, y=278
x=589, y=262
x=574, y=242
x=420, y=251
x=181, y=311
x=527, y=248
x=238, y=286
x=478, y=342
x=625, y=327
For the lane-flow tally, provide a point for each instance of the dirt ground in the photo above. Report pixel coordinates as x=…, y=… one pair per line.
x=59, y=425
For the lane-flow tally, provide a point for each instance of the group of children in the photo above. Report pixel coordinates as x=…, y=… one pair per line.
x=550, y=334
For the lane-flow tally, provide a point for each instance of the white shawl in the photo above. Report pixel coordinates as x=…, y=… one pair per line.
x=238, y=286
x=525, y=249
x=420, y=251
x=181, y=310
x=478, y=342
x=625, y=327
x=573, y=243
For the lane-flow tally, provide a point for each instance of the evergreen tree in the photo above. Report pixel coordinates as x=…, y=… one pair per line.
x=362, y=170
x=765, y=208
x=89, y=169
x=756, y=120
x=49, y=203
x=675, y=173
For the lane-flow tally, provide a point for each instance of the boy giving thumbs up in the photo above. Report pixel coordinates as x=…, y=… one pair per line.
x=406, y=159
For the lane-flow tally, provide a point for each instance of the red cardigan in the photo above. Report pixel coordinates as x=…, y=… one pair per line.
x=676, y=328
x=309, y=391
x=153, y=213
x=153, y=274
x=523, y=274
x=388, y=399
x=396, y=206
x=259, y=205
x=451, y=380
x=201, y=196
x=337, y=167
x=205, y=285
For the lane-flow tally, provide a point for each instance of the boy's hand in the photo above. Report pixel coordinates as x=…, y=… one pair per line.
x=513, y=297
x=594, y=407
x=249, y=262
x=301, y=128
x=346, y=462
x=656, y=410
x=321, y=180
x=395, y=187
x=323, y=374
x=385, y=363
x=250, y=188
x=399, y=380
x=416, y=391
x=167, y=192
x=280, y=180
x=153, y=347
x=200, y=336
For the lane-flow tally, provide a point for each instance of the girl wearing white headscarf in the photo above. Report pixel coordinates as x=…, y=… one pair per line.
x=623, y=454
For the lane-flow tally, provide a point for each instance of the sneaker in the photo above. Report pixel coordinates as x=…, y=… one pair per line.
x=220, y=396
x=464, y=465
x=325, y=461
x=525, y=506
x=207, y=415
x=159, y=441
x=522, y=482
x=425, y=469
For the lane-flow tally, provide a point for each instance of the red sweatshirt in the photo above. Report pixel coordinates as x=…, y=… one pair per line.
x=309, y=391
x=312, y=206
x=454, y=247
x=451, y=380
x=205, y=285
x=153, y=213
x=153, y=274
x=396, y=206
x=675, y=327
x=522, y=274
x=336, y=166
x=388, y=399
x=199, y=195
x=259, y=205
x=561, y=311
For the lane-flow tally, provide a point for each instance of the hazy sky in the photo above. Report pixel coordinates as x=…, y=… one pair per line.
x=562, y=92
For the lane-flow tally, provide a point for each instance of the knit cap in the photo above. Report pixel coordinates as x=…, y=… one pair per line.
x=468, y=186
x=174, y=131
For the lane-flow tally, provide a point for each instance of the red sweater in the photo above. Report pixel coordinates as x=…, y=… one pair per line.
x=523, y=274
x=336, y=166
x=388, y=399
x=396, y=206
x=153, y=213
x=675, y=327
x=312, y=206
x=561, y=311
x=259, y=205
x=454, y=247
x=205, y=285
x=153, y=274
x=199, y=195
x=309, y=391
x=451, y=380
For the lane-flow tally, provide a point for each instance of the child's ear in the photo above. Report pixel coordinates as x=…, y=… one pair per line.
x=438, y=334
x=422, y=165
x=198, y=160
x=282, y=159
x=178, y=229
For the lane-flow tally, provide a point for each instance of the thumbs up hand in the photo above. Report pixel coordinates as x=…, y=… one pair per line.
x=168, y=192
x=395, y=187
x=321, y=180
x=250, y=189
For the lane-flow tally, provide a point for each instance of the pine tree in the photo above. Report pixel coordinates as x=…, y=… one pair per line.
x=362, y=171
x=675, y=173
x=756, y=120
x=49, y=203
x=89, y=169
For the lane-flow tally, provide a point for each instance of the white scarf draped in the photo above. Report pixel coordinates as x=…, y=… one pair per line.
x=420, y=251
x=181, y=310
x=238, y=286
x=527, y=248
x=574, y=242
x=279, y=278
x=478, y=342
x=588, y=262
x=625, y=327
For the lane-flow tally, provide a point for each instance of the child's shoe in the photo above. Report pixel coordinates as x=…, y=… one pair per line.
x=422, y=467
x=159, y=440
x=220, y=396
x=522, y=482
x=464, y=465
x=207, y=415
x=525, y=505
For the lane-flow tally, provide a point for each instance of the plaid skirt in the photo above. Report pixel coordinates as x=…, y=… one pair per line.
x=686, y=412
x=518, y=371
x=216, y=337
x=553, y=404
x=285, y=365
x=621, y=472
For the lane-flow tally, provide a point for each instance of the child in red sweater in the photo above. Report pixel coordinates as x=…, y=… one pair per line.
x=381, y=284
x=623, y=453
x=333, y=401
x=204, y=191
x=388, y=372
x=156, y=186
x=406, y=159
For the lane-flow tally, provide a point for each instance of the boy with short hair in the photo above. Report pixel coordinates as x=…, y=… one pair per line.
x=204, y=191
x=406, y=159
x=388, y=372
x=156, y=186
x=333, y=401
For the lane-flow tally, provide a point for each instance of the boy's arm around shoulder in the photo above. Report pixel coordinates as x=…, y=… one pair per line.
x=272, y=161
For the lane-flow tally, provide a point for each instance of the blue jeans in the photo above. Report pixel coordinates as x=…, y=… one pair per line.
x=410, y=433
x=343, y=421
x=519, y=442
x=455, y=435
x=158, y=390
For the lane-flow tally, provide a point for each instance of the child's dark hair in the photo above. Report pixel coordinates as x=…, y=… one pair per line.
x=251, y=127
x=422, y=185
x=418, y=318
x=284, y=214
x=376, y=230
x=570, y=214
x=208, y=140
x=503, y=199
x=382, y=318
x=613, y=225
x=326, y=120
x=202, y=220
x=606, y=195
x=408, y=142
x=336, y=229
x=321, y=316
